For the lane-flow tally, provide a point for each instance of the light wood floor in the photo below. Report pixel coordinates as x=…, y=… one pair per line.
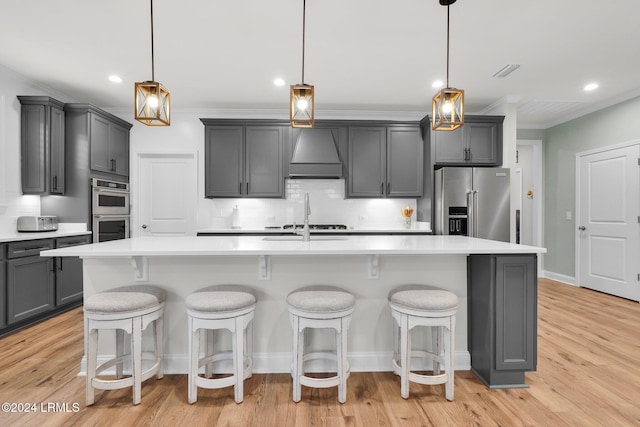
x=588, y=375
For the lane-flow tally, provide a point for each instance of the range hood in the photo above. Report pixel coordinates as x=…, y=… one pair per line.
x=315, y=155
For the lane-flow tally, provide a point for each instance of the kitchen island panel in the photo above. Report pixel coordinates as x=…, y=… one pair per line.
x=370, y=333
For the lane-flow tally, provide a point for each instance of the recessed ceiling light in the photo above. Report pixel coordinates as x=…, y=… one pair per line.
x=279, y=82
x=591, y=86
x=115, y=79
x=437, y=84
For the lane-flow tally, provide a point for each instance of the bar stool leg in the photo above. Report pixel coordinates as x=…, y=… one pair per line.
x=158, y=326
x=194, y=345
x=237, y=336
x=136, y=352
x=436, y=342
x=248, y=338
x=209, y=339
x=449, y=341
x=342, y=360
x=119, y=351
x=405, y=356
x=298, y=347
x=92, y=355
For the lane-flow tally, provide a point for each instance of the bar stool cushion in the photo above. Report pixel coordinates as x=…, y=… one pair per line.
x=125, y=299
x=415, y=297
x=321, y=299
x=221, y=298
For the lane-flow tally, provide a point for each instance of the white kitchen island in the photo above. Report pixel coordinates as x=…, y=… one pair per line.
x=367, y=266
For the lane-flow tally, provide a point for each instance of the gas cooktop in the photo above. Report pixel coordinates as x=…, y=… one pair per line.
x=315, y=226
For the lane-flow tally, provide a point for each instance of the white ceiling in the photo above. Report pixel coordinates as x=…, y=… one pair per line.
x=364, y=55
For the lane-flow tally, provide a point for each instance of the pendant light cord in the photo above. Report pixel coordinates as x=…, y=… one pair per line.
x=448, y=45
x=153, y=77
x=304, y=20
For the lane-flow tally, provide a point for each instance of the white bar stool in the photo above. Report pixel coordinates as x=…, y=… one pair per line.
x=320, y=307
x=229, y=307
x=127, y=309
x=421, y=305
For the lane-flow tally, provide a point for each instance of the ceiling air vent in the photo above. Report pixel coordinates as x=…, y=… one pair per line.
x=506, y=70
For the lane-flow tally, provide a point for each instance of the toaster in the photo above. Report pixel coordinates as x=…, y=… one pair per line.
x=38, y=223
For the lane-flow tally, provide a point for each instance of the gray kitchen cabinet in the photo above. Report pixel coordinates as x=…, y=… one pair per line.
x=69, y=285
x=42, y=145
x=244, y=161
x=3, y=288
x=109, y=146
x=477, y=143
x=367, y=161
x=97, y=141
x=30, y=280
x=503, y=301
x=405, y=167
x=385, y=162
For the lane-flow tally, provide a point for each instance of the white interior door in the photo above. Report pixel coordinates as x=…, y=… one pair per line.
x=608, y=237
x=167, y=196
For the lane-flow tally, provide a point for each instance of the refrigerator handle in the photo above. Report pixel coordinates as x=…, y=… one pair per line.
x=470, y=214
x=475, y=213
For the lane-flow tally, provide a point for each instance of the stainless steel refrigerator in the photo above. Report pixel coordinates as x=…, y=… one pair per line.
x=472, y=202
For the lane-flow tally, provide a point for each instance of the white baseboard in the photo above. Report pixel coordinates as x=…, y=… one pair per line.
x=273, y=363
x=559, y=278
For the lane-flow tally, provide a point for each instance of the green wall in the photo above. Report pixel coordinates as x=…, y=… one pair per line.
x=609, y=126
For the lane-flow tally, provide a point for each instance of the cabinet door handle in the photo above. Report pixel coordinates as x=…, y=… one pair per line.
x=388, y=188
x=55, y=182
x=247, y=193
x=382, y=188
x=240, y=188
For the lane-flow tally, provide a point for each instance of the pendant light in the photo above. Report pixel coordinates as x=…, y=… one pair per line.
x=448, y=104
x=151, y=99
x=301, y=99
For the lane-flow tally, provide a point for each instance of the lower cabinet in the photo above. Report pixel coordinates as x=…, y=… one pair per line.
x=3, y=288
x=69, y=272
x=30, y=280
x=503, y=301
x=32, y=287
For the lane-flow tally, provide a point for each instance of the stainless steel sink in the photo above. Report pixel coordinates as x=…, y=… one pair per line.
x=300, y=239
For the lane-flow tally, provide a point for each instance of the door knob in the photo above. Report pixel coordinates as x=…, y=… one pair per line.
x=582, y=228
x=145, y=226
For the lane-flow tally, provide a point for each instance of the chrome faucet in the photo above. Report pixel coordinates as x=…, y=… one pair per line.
x=306, y=236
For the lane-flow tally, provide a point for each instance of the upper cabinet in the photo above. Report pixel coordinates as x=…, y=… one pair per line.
x=477, y=143
x=385, y=161
x=109, y=146
x=106, y=136
x=244, y=161
x=42, y=145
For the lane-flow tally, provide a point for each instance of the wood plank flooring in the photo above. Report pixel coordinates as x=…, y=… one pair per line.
x=588, y=375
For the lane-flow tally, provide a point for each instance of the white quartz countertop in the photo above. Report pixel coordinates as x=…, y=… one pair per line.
x=19, y=236
x=290, y=246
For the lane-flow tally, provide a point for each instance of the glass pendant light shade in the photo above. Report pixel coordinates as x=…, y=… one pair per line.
x=447, y=109
x=152, y=104
x=301, y=106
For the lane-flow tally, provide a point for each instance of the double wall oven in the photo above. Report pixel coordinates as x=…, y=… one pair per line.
x=109, y=209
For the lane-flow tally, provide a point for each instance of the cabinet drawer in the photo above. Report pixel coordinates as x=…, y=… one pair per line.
x=28, y=247
x=64, y=242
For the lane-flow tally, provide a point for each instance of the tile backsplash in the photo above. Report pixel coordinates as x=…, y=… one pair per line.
x=328, y=206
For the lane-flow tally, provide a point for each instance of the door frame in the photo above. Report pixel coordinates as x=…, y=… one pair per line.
x=538, y=218
x=578, y=216
x=137, y=179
